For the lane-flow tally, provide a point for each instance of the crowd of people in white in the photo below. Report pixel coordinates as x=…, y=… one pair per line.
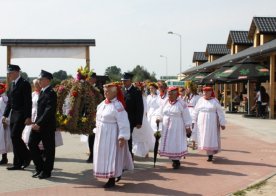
x=193, y=117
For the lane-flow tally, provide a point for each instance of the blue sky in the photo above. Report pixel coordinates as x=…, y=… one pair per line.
x=127, y=32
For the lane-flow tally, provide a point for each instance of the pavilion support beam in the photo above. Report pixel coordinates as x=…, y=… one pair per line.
x=225, y=96
x=87, y=57
x=8, y=62
x=272, y=86
x=216, y=90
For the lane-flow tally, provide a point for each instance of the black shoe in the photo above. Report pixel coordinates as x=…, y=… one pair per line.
x=26, y=163
x=210, y=158
x=110, y=183
x=176, y=164
x=4, y=162
x=89, y=160
x=43, y=175
x=36, y=174
x=15, y=168
x=119, y=178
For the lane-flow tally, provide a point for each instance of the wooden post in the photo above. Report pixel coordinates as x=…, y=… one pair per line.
x=216, y=90
x=87, y=56
x=272, y=86
x=8, y=62
x=225, y=96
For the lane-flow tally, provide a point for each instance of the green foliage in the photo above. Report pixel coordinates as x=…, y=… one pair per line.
x=141, y=74
x=24, y=75
x=55, y=81
x=61, y=75
x=114, y=73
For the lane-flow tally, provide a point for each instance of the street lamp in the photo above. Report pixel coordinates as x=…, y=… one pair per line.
x=179, y=35
x=162, y=56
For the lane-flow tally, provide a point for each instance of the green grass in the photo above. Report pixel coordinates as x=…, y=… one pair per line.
x=253, y=187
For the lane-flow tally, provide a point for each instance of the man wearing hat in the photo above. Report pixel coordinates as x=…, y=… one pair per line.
x=44, y=128
x=134, y=105
x=19, y=107
x=98, y=99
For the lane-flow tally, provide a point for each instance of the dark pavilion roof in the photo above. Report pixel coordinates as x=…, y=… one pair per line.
x=217, y=49
x=265, y=25
x=252, y=51
x=239, y=38
x=48, y=42
x=199, y=56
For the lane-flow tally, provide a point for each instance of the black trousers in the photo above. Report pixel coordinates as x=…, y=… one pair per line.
x=91, y=139
x=20, y=150
x=48, y=141
x=130, y=141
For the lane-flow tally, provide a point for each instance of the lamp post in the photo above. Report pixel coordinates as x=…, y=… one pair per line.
x=180, y=38
x=162, y=56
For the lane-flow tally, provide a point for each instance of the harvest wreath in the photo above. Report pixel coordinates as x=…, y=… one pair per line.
x=76, y=110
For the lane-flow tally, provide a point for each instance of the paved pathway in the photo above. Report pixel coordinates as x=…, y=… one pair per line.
x=249, y=154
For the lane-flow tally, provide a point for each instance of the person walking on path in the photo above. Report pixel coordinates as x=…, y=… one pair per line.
x=134, y=106
x=209, y=118
x=35, y=95
x=44, y=128
x=5, y=139
x=152, y=106
x=191, y=98
x=111, y=153
x=19, y=108
x=96, y=93
x=143, y=138
x=176, y=123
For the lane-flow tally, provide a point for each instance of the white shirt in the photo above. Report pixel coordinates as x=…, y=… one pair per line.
x=43, y=89
x=16, y=80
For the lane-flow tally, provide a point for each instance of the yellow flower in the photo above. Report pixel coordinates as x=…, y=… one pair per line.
x=84, y=119
x=65, y=122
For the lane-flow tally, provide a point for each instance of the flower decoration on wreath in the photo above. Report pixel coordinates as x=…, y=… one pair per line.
x=76, y=106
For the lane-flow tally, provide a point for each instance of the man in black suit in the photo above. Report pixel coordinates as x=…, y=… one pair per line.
x=19, y=107
x=44, y=128
x=134, y=105
x=98, y=99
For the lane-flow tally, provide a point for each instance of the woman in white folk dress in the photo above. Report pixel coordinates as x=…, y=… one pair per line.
x=5, y=139
x=111, y=153
x=152, y=106
x=176, y=123
x=143, y=138
x=191, y=98
x=163, y=95
x=209, y=117
x=35, y=96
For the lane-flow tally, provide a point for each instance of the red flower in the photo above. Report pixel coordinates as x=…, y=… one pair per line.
x=74, y=93
x=71, y=112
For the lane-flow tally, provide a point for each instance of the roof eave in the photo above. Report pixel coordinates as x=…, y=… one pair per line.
x=48, y=42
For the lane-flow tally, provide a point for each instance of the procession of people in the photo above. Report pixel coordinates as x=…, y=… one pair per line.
x=126, y=116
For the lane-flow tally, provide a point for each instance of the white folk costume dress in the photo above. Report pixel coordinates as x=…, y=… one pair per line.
x=175, y=120
x=111, y=124
x=209, y=116
x=5, y=139
x=152, y=111
x=27, y=130
x=143, y=138
x=191, y=102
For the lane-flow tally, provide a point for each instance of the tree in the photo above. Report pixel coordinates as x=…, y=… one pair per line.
x=24, y=75
x=114, y=73
x=141, y=74
x=61, y=75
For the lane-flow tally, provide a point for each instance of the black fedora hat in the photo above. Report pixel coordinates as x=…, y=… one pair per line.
x=12, y=67
x=127, y=76
x=45, y=74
